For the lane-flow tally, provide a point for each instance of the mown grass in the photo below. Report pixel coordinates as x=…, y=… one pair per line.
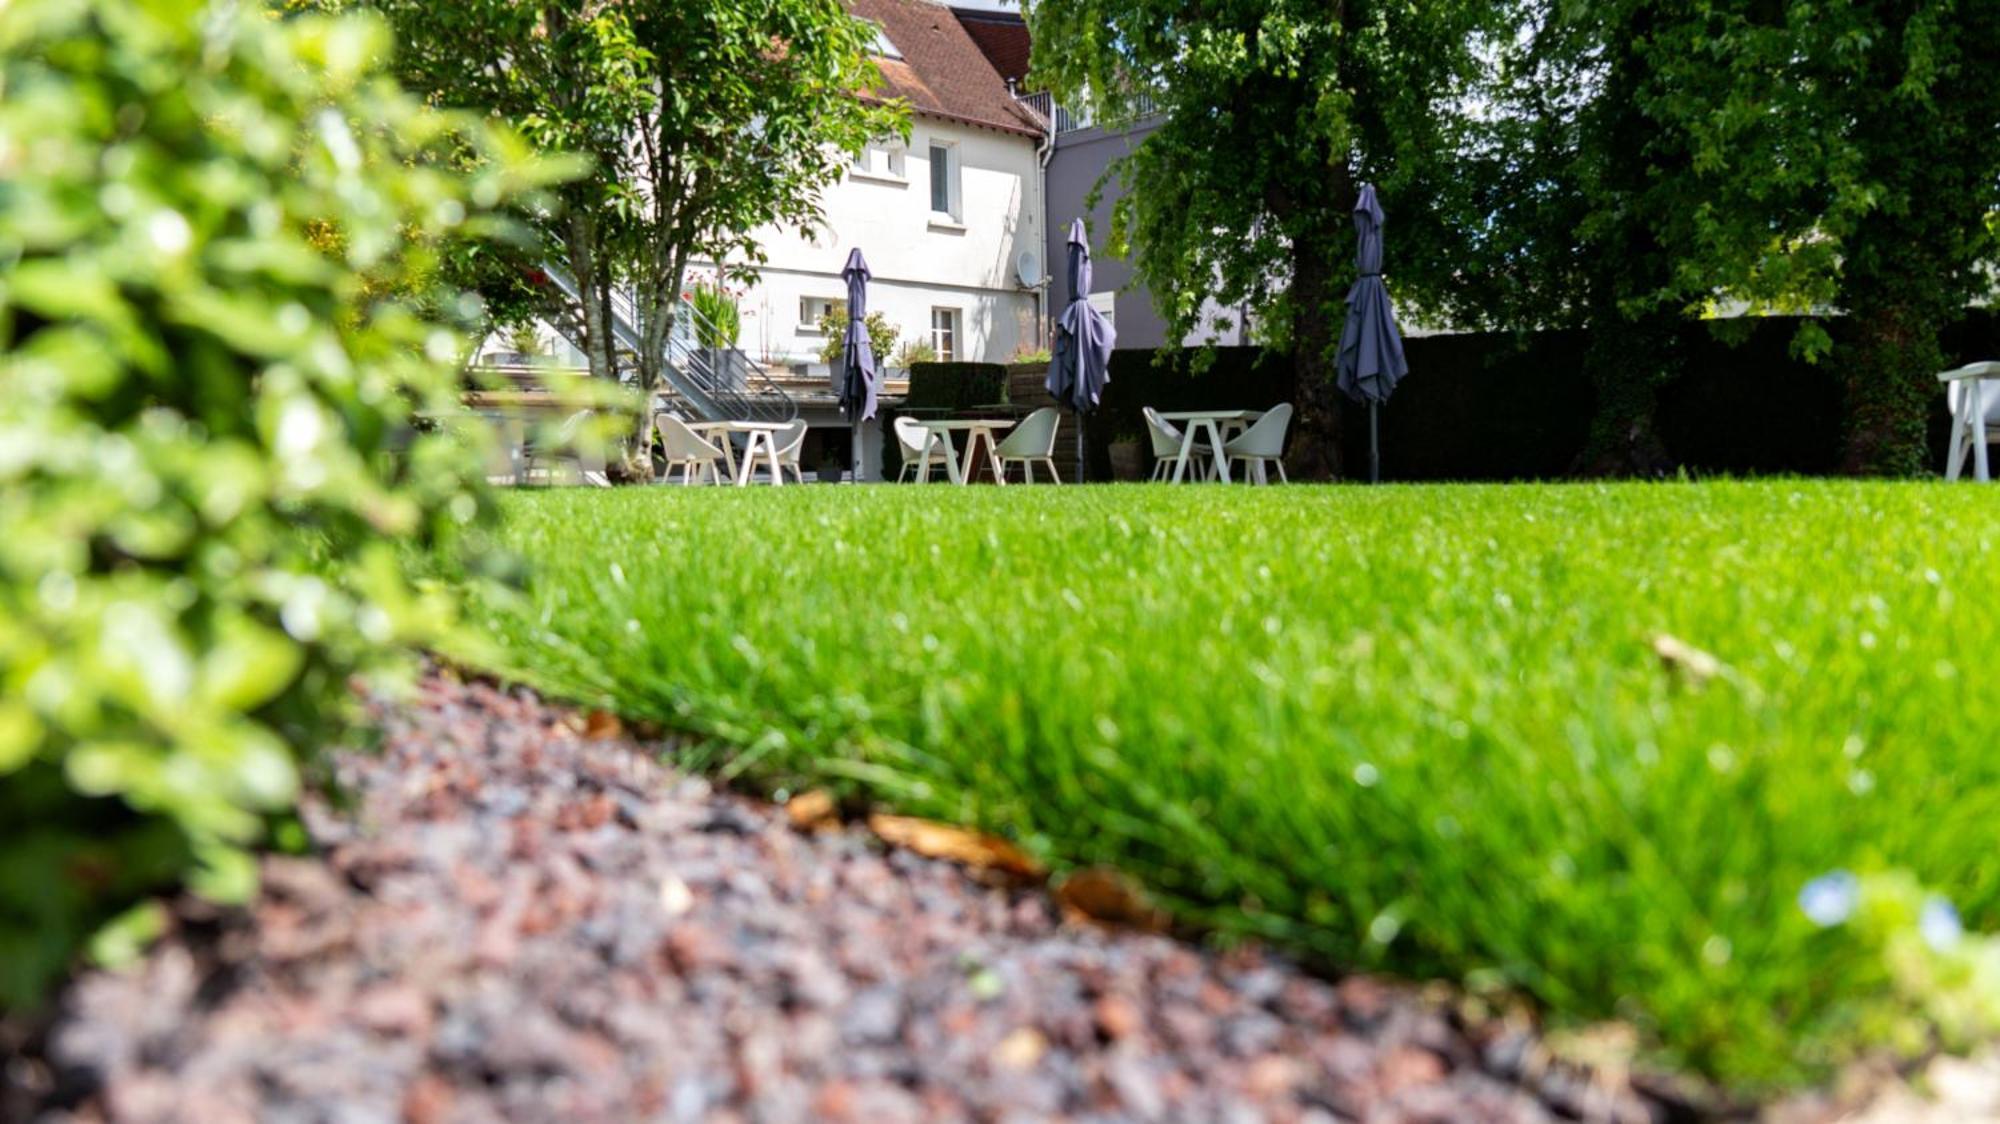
x=1421, y=728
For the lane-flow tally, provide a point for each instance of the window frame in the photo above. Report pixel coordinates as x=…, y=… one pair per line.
x=809, y=325
x=953, y=174
x=952, y=332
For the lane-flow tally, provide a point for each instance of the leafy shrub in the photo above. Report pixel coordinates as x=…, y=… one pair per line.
x=218, y=334
x=914, y=352
x=833, y=330
x=721, y=322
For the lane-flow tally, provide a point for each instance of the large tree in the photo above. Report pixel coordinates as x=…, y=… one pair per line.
x=1750, y=155
x=1275, y=112
x=1905, y=91
x=707, y=119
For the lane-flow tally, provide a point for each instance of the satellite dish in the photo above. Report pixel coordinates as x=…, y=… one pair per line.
x=1028, y=267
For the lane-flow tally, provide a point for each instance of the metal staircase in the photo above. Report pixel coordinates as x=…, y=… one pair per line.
x=714, y=383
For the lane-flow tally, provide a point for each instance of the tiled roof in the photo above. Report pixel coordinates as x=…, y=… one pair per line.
x=942, y=72
x=1002, y=37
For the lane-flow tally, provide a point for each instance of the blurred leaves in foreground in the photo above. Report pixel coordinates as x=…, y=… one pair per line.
x=227, y=379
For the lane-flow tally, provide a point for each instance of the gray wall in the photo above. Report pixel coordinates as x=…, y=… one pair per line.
x=1081, y=157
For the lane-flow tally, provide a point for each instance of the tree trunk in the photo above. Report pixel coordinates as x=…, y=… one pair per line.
x=1628, y=361
x=1316, y=326
x=660, y=296
x=584, y=266
x=1890, y=381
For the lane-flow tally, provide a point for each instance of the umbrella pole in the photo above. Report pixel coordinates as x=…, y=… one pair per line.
x=1079, y=446
x=1374, y=447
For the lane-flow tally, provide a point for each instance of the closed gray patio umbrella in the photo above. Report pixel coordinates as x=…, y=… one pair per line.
x=1080, y=366
x=1371, y=348
x=857, y=377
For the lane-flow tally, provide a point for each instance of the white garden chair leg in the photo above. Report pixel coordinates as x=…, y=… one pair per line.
x=1979, y=472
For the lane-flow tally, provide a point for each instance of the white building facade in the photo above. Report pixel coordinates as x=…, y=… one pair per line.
x=943, y=218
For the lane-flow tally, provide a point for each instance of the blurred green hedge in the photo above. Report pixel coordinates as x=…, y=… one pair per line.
x=220, y=337
x=956, y=386
x=1501, y=406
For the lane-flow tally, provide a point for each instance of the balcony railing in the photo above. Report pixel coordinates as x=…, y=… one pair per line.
x=1062, y=119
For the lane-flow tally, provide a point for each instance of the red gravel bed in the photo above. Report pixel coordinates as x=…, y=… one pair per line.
x=510, y=921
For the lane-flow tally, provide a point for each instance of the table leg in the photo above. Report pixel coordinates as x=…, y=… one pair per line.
x=952, y=471
x=771, y=454
x=1181, y=460
x=749, y=460
x=993, y=456
x=1979, y=434
x=728, y=448
x=973, y=437
x=1221, y=462
x=1954, y=459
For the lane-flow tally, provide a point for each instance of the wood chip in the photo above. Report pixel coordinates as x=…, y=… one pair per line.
x=956, y=844
x=1021, y=1049
x=1682, y=658
x=1106, y=896
x=812, y=811
x=602, y=725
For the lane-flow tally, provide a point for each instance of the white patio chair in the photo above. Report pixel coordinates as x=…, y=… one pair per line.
x=1032, y=442
x=688, y=451
x=1970, y=424
x=920, y=447
x=1261, y=445
x=789, y=441
x=1167, y=439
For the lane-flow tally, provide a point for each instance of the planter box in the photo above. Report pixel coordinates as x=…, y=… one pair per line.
x=1027, y=385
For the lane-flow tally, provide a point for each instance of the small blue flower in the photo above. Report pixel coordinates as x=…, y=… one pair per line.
x=1830, y=899
x=1939, y=924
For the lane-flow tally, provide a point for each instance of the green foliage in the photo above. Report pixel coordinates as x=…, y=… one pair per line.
x=709, y=120
x=1421, y=728
x=833, y=334
x=914, y=352
x=721, y=322
x=218, y=334
x=1274, y=113
x=1645, y=162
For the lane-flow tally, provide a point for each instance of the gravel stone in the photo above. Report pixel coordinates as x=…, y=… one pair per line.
x=504, y=919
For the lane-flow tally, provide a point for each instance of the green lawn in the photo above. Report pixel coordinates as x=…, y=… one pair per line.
x=1421, y=728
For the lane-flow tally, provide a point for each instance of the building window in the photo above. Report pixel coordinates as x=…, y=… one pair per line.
x=1106, y=304
x=884, y=47
x=944, y=334
x=811, y=309
x=944, y=180
x=879, y=160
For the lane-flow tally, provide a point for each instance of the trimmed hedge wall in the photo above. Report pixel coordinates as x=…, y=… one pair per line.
x=1497, y=406
x=956, y=386
x=935, y=387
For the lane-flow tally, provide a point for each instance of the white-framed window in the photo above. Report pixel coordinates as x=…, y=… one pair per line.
x=884, y=47
x=945, y=194
x=1106, y=304
x=879, y=161
x=944, y=334
x=812, y=308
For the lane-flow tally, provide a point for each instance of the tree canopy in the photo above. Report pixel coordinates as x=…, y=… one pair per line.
x=708, y=120
x=1624, y=166
x=1273, y=114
